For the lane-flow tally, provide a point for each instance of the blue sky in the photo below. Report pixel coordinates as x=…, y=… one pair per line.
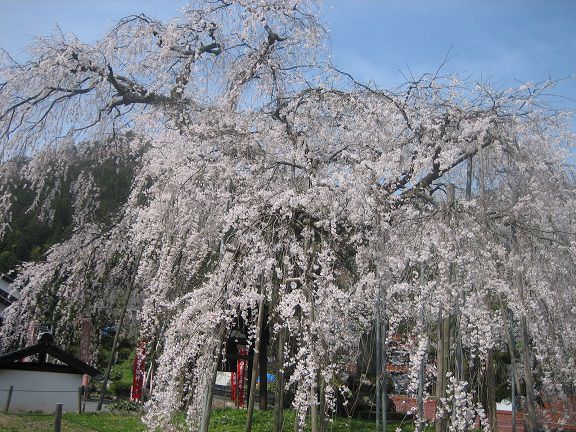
x=380, y=40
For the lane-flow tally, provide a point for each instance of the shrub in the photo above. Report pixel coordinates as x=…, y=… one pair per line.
x=120, y=388
x=124, y=405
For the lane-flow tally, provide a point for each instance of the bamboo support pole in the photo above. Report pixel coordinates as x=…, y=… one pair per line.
x=252, y=395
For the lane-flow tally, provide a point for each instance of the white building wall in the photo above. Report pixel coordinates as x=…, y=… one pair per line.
x=39, y=391
x=4, y=285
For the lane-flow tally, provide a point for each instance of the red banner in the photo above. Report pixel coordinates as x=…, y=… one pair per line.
x=237, y=380
x=139, y=372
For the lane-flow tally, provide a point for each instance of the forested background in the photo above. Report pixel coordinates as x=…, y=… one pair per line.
x=30, y=233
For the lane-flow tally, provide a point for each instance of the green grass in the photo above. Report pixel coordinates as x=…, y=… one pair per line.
x=107, y=422
x=104, y=422
x=232, y=420
x=223, y=420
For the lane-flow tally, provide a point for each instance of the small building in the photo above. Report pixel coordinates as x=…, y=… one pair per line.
x=39, y=384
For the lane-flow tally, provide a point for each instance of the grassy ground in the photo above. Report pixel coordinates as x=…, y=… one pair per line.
x=231, y=420
x=71, y=423
x=223, y=420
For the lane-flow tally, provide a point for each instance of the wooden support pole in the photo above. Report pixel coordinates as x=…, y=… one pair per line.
x=513, y=397
x=314, y=409
x=459, y=357
x=249, y=370
x=440, y=373
x=263, y=373
x=491, y=391
x=531, y=421
x=278, y=424
x=8, y=399
x=58, y=418
x=80, y=392
x=149, y=377
x=378, y=364
x=252, y=393
x=113, y=351
x=507, y=319
x=443, y=350
x=309, y=289
x=422, y=365
x=263, y=363
x=514, y=376
x=421, y=421
x=118, y=330
x=322, y=399
x=384, y=377
x=279, y=391
x=441, y=367
x=469, y=178
x=209, y=395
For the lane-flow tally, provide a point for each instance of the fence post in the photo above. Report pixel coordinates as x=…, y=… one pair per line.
x=7, y=407
x=58, y=418
x=80, y=399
